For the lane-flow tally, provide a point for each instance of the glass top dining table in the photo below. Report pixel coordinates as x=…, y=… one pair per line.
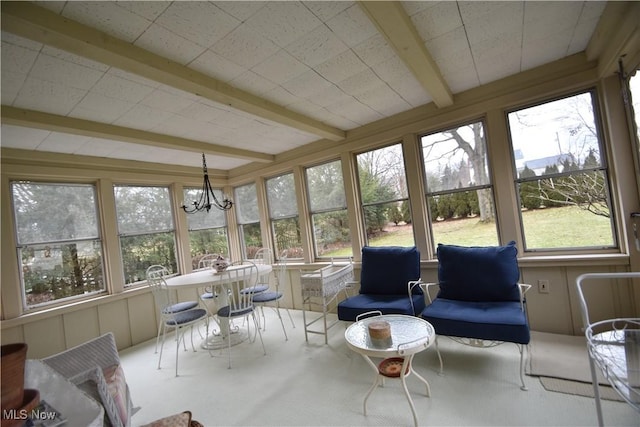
x=209, y=278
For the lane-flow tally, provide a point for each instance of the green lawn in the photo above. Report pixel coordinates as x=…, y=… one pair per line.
x=545, y=228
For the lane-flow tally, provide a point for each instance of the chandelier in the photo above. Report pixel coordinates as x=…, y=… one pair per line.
x=207, y=198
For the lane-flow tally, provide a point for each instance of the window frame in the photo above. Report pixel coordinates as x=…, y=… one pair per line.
x=311, y=212
x=98, y=240
x=490, y=186
x=398, y=200
x=224, y=228
x=604, y=166
x=174, y=269
x=272, y=220
x=241, y=224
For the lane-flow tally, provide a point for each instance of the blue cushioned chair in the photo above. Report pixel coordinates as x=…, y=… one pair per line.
x=389, y=282
x=480, y=301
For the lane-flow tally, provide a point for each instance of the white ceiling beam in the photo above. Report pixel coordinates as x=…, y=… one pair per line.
x=36, y=23
x=394, y=23
x=56, y=123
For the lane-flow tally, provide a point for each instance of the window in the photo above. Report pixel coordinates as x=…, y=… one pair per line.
x=633, y=115
x=248, y=219
x=385, y=202
x=328, y=207
x=459, y=189
x=58, y=237
x=146, y=230
x=283, y=211
x=207, y=230
x=561, y=179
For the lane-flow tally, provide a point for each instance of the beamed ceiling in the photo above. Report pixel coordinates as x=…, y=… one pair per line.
x=244, y=82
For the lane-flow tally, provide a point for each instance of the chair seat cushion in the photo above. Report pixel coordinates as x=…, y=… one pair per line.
x=208, y=295
x=267, y=296
x=351, y=307
x=500, y=321
x=260, y=287
x=181, y=306
x=183, y=317
x=227, y=312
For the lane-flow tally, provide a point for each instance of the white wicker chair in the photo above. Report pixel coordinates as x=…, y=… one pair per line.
x=85, y=365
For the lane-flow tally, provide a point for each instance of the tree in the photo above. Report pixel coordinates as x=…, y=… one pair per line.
x=462, y=151
x=529, y=192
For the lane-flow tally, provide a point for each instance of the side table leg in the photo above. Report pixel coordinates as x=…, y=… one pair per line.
x=403, y=376
x=421, y=378
x=375, y=382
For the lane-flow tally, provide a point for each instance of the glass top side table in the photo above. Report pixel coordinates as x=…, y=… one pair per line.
x=409, y=336
x=613, y=346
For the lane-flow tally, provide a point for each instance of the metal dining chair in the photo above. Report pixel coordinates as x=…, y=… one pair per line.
x=162, y=271
x=268, y=297
x=178, y=320
x=239, y=277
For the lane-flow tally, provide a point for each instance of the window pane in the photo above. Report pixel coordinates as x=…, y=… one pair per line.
x=331, y=234
x=247, y=204
x=634, y=88
x=147, y=231
x=455, y=158
x=207, y=230
x=59, y=249
x=208, y=241
x=55, y=271
x=326, y=187
x=558, y=136
x=287, y=237
x=143, y=209
x=455, y=219
x=203, y=219
x=327, y=203
x=142, y=251
x=459, y=192
x=383, y=189
x=251, y=239
x=281, y=194
x=389, y=224
x=54, y=212
x=562, y=179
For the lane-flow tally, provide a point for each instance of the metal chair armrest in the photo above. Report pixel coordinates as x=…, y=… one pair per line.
x=425, y=288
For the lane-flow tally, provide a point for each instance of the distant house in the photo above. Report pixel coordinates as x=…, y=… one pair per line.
x=539, y=165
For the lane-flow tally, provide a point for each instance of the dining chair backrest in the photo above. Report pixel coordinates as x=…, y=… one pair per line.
x=281, y=271
x=263, y=256
x=161, y=293
x=207, y=261
x=237, y=277
x=157, y=270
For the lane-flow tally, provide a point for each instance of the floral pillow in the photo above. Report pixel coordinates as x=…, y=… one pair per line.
x=117, y=386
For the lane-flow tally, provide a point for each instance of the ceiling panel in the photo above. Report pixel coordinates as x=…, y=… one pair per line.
x=326, y=61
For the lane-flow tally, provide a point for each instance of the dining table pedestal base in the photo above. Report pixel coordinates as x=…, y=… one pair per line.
x=218, y=341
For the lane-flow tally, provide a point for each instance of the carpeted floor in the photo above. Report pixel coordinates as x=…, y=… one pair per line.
x=302, y=383
x=561, y=362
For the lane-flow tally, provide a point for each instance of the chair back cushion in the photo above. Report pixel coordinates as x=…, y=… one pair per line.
x=478, y=273
x=387, y=270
